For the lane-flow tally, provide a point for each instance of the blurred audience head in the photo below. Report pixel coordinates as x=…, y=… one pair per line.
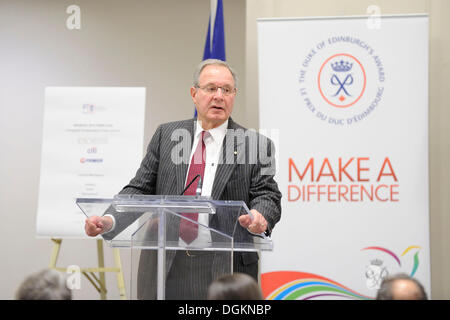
x=237, y=286
x=401, y=287
x=47, y=284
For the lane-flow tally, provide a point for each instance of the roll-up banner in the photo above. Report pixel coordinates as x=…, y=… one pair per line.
x=349, y=100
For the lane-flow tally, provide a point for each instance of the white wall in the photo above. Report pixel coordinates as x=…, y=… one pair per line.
x=155, y=44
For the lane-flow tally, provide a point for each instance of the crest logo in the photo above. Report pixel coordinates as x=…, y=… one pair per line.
x=375, y=273
x=342, y=80
x=88, y=108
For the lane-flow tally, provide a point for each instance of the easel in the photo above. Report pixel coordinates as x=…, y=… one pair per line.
x=98, y=282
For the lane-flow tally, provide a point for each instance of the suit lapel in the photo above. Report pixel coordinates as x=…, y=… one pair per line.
x=226, y=167
x=181, y=169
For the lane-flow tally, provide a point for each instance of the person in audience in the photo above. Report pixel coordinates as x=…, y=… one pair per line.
x=401, y=287
x=237, y=286
x=47, y=284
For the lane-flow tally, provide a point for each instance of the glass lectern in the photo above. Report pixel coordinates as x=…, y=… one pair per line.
x=150, y=227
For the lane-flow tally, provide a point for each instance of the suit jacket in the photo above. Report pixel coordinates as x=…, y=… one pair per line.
x=246, y=173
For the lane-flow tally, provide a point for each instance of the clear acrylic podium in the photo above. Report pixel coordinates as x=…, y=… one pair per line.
x=149, y=226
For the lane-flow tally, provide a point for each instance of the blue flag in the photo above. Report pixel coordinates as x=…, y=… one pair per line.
x=215, y=38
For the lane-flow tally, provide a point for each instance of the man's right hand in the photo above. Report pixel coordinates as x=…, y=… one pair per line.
x=97, y=225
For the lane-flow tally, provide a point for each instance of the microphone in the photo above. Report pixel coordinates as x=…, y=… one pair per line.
x=192, y=181
x=198, y=192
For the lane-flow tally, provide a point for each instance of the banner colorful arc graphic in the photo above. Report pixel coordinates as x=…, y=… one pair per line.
x=293, y=285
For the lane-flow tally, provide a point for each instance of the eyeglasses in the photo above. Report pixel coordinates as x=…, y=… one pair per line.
x=212, y=89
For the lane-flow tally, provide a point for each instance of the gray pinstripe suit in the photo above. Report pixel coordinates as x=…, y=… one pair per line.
x=237, y=178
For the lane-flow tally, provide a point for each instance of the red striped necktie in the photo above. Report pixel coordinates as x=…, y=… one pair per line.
x=188, y=229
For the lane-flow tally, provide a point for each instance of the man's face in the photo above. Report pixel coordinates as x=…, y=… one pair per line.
x=214, y=108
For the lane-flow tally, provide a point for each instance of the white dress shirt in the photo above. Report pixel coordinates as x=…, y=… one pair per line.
x=213, y=144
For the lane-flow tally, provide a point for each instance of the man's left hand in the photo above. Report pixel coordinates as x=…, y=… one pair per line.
x=257, y=225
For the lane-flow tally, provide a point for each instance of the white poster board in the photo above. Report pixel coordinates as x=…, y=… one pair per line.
x=91, y=148
x=350, y=101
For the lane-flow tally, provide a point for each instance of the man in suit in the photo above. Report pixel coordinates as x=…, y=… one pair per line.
x=236, y=164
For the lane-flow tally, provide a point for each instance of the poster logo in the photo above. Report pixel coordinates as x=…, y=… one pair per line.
x=375, y=273
x=91, y=160
x=88, y=108
x=92, y=150
x=342, y=80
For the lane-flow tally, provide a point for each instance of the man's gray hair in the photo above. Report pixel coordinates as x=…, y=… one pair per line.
x=214, y=62
x=47, y=284
x=386, y=291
